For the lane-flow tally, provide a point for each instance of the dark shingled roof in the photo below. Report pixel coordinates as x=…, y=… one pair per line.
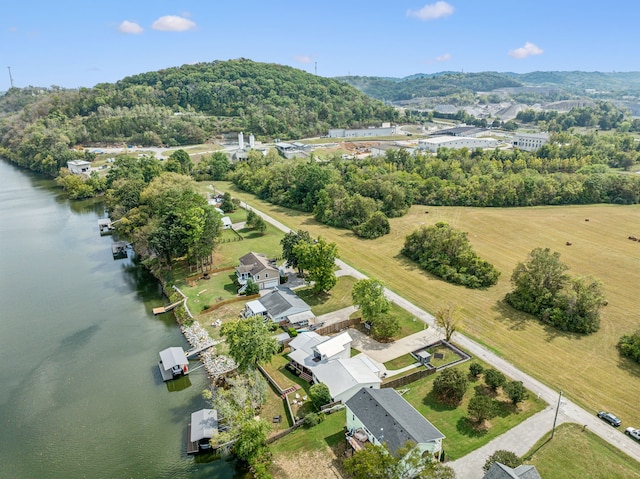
x=283, y=302
x=500, y=471
x=392, y=420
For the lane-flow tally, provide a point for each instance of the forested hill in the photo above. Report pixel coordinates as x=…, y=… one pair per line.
x=176, y=106
x=466, y=85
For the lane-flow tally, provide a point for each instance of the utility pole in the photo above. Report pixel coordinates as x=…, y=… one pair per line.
x=10, y=77
x=553, y=429
x=316, y=68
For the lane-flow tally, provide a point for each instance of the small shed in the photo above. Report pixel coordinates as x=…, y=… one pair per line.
x=226, y=222
x=424, y=357
x=79, y=167
x=203, y=426
x=173, y=363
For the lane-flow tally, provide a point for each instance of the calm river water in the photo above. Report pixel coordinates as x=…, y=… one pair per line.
x=80, y=392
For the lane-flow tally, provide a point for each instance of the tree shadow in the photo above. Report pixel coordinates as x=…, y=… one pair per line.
x=505, y=409
x=484, y=390
x=467, y=427
x=432, y=401
x=335, y=439
x=517, y=319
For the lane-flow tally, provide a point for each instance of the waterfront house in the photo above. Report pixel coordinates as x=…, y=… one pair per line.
x=280, y=306
x=257, y=267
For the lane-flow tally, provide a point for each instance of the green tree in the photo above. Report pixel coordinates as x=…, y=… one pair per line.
x=217, y=166
x=290, y=240
x=447, y=319
x=255, y=221
x=450, y=386
x=537, y=281
x=371, y=462
x=368, y=296
x=385, y=327
x=250, y=341
x=481, y=408
x=252, y=288
x=508, y=458
x=516, y=392
x=227, y=205
x=494, y=379
x=318, y=260
x=629, y=346
x=377, y=225
x=475, y=369
x=251, y=447
x=320, y=395
x=183, y=158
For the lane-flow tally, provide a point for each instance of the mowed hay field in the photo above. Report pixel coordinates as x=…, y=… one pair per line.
x=588, y=369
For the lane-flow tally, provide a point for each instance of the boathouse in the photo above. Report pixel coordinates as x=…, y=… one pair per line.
x=203, y=426
x=173, y=363
x=105, y=226
x=119, y=249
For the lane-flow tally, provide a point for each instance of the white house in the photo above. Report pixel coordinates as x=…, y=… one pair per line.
x=257, y=267
x=79, y=167
x=328, y=360
x=530, y=141
x=383, y=416
x=456, y=142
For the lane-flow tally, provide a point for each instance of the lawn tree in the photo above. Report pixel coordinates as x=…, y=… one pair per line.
x=227, y=205
x=378, y=462
x=450, y=386
x=481, y=408
x=256, y=222
x=629, y=346
x=290, y=240
x=447, y=319
x=475, y=369
x=385, y=327
x=250, y=341
x=368, y=295
x=318, y=260
x=252, y=288
x=494, y=379
x=516, y=392
x=320, y=395
x=508, y=458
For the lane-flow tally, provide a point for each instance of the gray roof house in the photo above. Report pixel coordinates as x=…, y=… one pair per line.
x=257, y=267
x=500, y=471
x=278, y=305
x=383, y=416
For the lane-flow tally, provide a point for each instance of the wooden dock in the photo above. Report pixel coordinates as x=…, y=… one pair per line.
x=192, y=447
x=196, y=351
x=165, y=309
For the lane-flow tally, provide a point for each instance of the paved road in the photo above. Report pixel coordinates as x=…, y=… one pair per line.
x=525, y=435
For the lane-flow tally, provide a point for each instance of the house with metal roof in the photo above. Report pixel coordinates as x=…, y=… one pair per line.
x=328, y=360
x=383, y=416
x=258, y=268
x=203, y=426
x=79, y=167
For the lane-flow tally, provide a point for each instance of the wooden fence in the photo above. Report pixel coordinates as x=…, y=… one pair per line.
x=337, y=327
x=409, y=378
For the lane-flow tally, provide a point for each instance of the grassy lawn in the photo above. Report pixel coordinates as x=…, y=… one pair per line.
x=339, y=297
x=449, y=355
x=577, y=454
x=285, y=378
x=462, y=436
x=588, y=369
x=329, y=432
x=275, y=407
x=407, y=324
x=401, y=362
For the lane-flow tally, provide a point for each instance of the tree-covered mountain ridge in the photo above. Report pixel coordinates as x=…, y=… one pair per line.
x=177, y=106
x=448, y=83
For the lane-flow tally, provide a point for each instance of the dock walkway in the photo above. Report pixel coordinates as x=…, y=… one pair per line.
x=165, y=309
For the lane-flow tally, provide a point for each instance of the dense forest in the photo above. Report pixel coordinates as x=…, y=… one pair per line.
x=177, y=106
x=571, y=169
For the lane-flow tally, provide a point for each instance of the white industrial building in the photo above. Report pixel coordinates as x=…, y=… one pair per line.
x=79, y=167
x=530, y=141
x=456, y=142
x=385, y=130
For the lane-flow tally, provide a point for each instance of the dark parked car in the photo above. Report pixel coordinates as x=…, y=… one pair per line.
x=610, y=418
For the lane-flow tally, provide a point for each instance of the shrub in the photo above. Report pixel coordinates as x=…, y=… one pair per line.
x=292, y=332
x=313, y=419
x=475, y=369
x=507, y=458
x=516, y=392
x=629, y=346
x=319, y=395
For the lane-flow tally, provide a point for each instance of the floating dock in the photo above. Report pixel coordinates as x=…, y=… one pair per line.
x=105, y=226
x=119, y=249
x=165, y=309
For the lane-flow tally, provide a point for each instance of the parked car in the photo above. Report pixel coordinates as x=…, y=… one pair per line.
x=610, y=418
x=634, y=433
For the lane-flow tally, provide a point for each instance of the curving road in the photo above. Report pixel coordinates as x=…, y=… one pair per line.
x=522, y=437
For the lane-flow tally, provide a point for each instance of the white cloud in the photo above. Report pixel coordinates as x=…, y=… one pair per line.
x=526, y=51
x=444, y=58
x=303, y=58
x=432, y=11
x=173, y=23
x=131, y=28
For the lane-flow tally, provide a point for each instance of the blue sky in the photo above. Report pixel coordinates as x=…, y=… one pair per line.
x=73, y=43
